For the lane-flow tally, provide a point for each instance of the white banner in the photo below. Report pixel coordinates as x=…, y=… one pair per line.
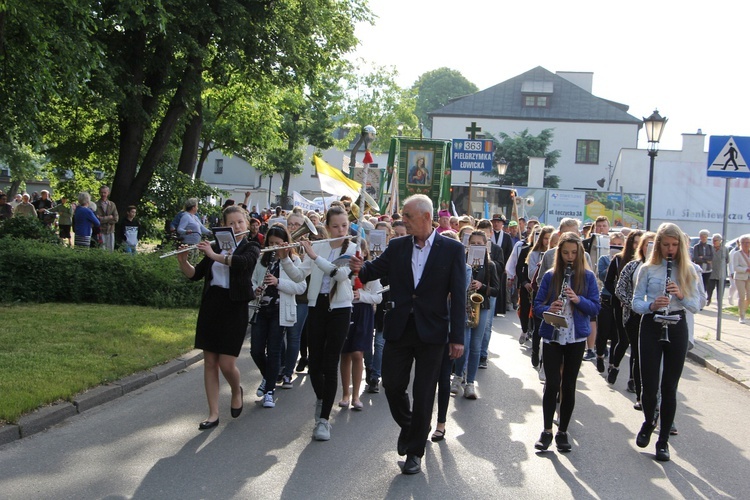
x=304, y=203
x=562, y=204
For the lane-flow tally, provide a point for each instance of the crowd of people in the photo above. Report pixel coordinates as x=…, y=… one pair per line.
x=84, y=224
x=426, y=302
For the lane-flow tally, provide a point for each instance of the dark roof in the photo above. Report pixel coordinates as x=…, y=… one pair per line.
x=567, y=101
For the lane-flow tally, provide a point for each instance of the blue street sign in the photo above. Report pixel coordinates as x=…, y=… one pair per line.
x=614, y=197
x=726, y=156
x=475, y=155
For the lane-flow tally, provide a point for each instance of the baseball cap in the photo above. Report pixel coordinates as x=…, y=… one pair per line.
x=513, y=224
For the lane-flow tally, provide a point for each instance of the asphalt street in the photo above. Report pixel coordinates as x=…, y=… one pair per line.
x=146, y=445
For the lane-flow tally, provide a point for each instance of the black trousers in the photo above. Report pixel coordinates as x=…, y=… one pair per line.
x=605, y=327
x=398, y=357
x=569, y=357
x=327, y=330
x=622, y=339
x=633, y=326
x=653, y=355
x=524, y=300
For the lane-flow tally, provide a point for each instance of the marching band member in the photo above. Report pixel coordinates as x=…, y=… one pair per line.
x=330, y=298
x=276, y=280
x=577, y=301
x=653, y=293
x=223, y=314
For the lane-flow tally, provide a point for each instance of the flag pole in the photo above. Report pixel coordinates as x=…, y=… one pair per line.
x=368, y=136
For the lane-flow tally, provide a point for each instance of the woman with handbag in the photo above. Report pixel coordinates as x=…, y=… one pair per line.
x=223, y=314
x=741, y=265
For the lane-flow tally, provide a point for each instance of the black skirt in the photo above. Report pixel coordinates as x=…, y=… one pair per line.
x=222, y=323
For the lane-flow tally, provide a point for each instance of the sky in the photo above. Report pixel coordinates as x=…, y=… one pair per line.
x=686, y=59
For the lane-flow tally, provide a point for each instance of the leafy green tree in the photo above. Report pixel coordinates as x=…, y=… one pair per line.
x=374, y=98
x=434, y=89
x=517, y=149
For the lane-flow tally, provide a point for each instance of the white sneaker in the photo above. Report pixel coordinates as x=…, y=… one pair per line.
x=322, y=430
x=522, y=338
x=268, y=400
x=542, y=376
x=261, y=391
x=742, y=321
x=469, y=392
x=455, y=385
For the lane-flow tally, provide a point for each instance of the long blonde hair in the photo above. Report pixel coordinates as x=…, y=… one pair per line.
x=685, y=272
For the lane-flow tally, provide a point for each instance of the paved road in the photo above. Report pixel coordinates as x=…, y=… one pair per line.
x=146, y=444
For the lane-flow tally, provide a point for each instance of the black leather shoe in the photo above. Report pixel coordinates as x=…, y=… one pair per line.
x=301, y=365
x=600, y=364
x=207, y=424
x=401, y=445
x=236, y=411
x=535, y=358
x=644, y=435
x=413, y=465
x=662, y=451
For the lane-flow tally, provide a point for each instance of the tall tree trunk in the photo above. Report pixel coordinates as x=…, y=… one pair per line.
x=205, y=149
x=191, y=140
x=13, y=189
x=175, y=111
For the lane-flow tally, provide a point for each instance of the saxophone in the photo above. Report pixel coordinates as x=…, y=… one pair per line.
x=473, y=305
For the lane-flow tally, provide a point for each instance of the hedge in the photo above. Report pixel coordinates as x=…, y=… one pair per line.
x=32, y=271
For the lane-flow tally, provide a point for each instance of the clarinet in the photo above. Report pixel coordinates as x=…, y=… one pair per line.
x=255, y=304
x=665, y=326
x=564, y=299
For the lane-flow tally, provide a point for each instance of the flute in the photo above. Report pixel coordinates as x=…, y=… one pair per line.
x=292, y=245
x=191, y=247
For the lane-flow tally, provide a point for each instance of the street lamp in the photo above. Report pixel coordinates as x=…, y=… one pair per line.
x=502, y=167
x=654, y=125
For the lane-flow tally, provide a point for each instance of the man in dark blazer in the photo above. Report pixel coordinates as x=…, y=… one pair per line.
x=427, y=275
x=502, y=239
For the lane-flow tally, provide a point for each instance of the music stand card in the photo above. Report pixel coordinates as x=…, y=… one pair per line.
x=376, y=239
x=476, y=255
x=465, y=238
x=225, y=238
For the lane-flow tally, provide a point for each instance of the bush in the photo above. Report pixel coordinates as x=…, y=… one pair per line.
x=29, y=228
x=33, y=272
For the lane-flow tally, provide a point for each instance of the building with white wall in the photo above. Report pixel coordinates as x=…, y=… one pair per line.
x=589, y=131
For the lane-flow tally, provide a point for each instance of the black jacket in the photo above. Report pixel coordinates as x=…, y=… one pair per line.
x=244, y=259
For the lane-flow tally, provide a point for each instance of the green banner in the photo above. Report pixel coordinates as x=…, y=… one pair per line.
x=421, y=166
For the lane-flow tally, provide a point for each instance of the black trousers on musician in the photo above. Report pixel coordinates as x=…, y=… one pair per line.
x=655, y=354
x=413, y=417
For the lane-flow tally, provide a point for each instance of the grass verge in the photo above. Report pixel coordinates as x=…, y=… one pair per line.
x=51, y=352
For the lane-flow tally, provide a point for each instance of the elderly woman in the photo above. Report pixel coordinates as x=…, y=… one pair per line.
x=190, y=227
x=25, y=208
x=741, y=265
x=718, y=266
x=84, y=220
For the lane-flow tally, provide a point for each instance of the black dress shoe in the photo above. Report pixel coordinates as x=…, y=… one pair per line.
x=644, y=435
x=662, y=451
x=207, y=424
x=301, y=365
x=413, y=465
x=401, y=445
x=236, y=411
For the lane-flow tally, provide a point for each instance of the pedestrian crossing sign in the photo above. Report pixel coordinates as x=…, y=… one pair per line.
x=726, y=156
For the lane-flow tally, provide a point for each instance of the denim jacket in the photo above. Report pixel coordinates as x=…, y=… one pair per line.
x=582, y=312
x=650, y=283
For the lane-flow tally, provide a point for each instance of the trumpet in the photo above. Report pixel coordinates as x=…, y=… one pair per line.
x=297, y=243
x=557, y=320
x=192, y=247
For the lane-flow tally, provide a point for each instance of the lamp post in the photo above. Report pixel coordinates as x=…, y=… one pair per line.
x=654, y=127
x=502, y=167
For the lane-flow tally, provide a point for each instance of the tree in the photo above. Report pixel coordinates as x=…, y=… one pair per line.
x=436, y=88
x=516, y=152
x=374, y=98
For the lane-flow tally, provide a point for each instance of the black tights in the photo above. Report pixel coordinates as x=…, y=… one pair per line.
x=632, y=327
x=622, y=335
x=652, y=355
x=569, y=357
x=327, y=330
x=524, y=298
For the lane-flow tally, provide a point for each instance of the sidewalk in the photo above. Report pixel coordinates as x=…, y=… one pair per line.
x=729, y=357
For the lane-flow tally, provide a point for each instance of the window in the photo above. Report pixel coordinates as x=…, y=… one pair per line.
x=587, y=151
x=219, y=166
x=535, y=101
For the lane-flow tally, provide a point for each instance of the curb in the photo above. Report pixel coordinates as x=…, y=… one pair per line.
x=715, y=367
x=47, y=416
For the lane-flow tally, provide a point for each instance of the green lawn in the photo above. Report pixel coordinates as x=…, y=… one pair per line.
x=51, y=352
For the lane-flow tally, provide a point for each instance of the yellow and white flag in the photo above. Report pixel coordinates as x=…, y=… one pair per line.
x=334, y=181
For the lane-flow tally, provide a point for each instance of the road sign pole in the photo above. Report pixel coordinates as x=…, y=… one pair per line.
x=723, y=271
x=471, y=175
